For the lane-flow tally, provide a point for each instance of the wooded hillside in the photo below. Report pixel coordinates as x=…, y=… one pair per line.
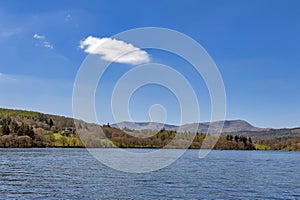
x=20, y=128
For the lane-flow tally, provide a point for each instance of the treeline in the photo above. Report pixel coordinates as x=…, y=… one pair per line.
x=46, y=122
x=33, y=129
x=19, y=128
x=126, y=138
x=8, y=126
x=18, y=134
x=235, y=142
x=279, y=143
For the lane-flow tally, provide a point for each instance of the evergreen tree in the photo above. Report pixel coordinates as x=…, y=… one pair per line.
x=5, y=129
x=236, y=138
x=51, y=123
x=250, y=140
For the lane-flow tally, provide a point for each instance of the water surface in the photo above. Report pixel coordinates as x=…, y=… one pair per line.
x=75, y=174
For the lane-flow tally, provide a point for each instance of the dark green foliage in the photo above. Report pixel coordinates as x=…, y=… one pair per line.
x=4, y=124
x=25, y=129
x=14, y=127
x=51, y=123
x=4, y=129
x=162, y=130
x=250, y=140
x=243, y=139
x=236, y=138
x=106, y=125
x=8, y=126
x=229, y=137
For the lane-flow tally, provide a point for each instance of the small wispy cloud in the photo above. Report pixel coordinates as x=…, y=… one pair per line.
x=48, y=45
x=39, y=37
x=6, y=77
x=43, y=41
x=68, y=18
x=10, y=32
x=114, y=50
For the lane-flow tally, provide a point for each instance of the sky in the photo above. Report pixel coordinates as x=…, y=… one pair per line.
x=254, y=43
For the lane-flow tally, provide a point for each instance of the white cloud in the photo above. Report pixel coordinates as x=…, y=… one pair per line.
x=39, y=37
x=48, y=45
x=114, y=50
x=43, y=40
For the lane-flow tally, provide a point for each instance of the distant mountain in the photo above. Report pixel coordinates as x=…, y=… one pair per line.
x=229, y=126
x=144, y=126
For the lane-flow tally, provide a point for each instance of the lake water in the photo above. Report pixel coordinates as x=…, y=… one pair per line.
x=75, y=174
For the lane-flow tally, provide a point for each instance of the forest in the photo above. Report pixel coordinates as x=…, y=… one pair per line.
x=24, y=129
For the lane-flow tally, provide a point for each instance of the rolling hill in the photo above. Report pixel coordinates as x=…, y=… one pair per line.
x=19, y=128
x=230, y=126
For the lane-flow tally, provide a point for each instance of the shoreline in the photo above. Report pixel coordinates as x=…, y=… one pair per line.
x=75, y=147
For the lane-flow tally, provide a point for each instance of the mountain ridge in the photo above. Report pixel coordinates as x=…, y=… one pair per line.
x=200, y=127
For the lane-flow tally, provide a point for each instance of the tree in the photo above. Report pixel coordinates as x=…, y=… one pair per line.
x=236, y=138
x=51, y=123
x=25, y=130
x=14, y=127
x=244, y=140
x=30, y=132
x=5, y=129
x=250, y=140
x=21, y=130
x=162, y=130
x=229, y=137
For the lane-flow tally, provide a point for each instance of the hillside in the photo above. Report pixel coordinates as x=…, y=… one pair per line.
x=19, y=128
x=230, y=126
x=144, y=126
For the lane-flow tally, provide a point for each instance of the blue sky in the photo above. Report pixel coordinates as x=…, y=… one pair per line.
x=255, y=45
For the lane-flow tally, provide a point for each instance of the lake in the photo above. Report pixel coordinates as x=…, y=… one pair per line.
x=75, y=174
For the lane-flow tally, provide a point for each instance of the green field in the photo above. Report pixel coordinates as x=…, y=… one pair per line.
x=62, y=141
